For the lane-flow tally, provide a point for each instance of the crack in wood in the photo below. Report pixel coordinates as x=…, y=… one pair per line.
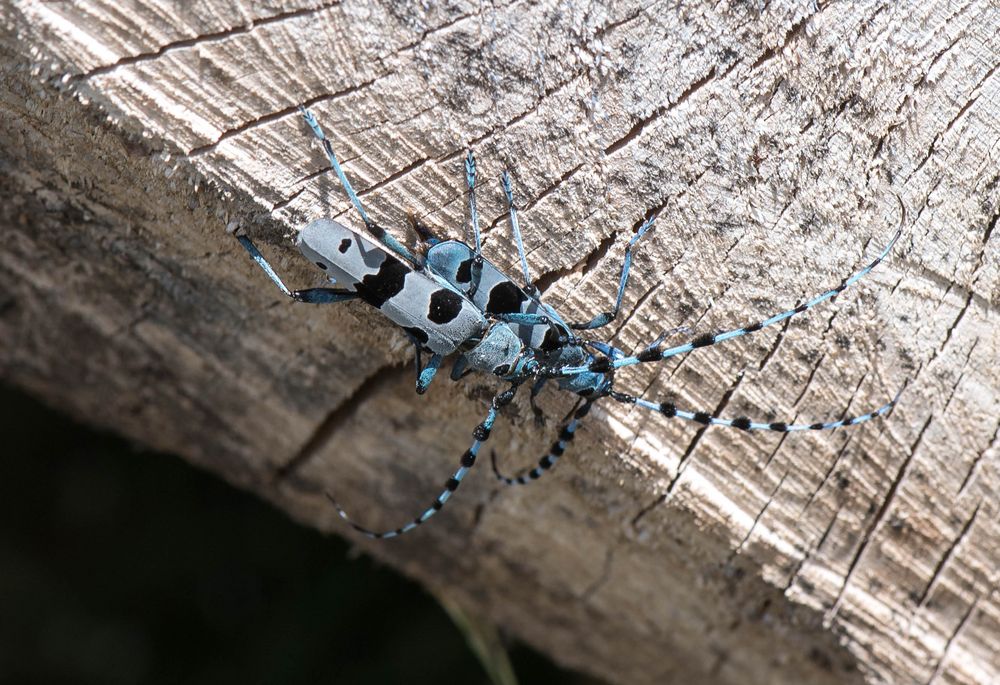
x=774, y=452
x=826, y=476
x=942, y=284
x=973, y=98
x=943, y=561
x=427, y=33
x=204, y=38
x=777, y=341
x=872, y=528
x=281, y=114
x=809, y=380
x=811, y=551
x=939, y=668
x=634, y=523
x=952, y=327
x=642, y=124
x=934, y=60
x=961, y=376
x=994, y=443
x=829, y=527
x=719, y=409
x=368, y=388
x=607, y=28
x=987, y=234
x=281, y=204
x=796, y=30
x=739, y=548
x=545, y=192
x=408, y=169
x=546, y=280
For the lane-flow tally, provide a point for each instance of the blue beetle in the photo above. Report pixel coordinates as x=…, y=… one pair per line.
x=453, y=301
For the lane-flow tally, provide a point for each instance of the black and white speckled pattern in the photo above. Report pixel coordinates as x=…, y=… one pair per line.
x=412, y=300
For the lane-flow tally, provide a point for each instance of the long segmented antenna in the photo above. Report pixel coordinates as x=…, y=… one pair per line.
x=515, y=228
x=481, y=434
x=555, y=451
x=477, y=259
x=670, y=410
x=605, y=318
x=652, y=354
x=377, y=231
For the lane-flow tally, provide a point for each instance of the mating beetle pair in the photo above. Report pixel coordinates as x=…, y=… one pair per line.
x=451, y=300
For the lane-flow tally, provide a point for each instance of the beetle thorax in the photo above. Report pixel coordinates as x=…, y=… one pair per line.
x=497, y=351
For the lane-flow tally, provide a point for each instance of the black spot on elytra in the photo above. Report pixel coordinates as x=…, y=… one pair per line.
x=321, y=265
x=377, y=288
x=779, y=427
x=703, y=418
x=417, y=334
x=345, y=245
x=464, y=273
x=445, y=306
x=505, y=298
x=752, y=328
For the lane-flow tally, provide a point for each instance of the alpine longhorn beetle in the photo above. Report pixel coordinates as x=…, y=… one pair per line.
x=451, y=300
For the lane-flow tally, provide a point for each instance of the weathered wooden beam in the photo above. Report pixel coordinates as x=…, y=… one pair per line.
x=773, y=141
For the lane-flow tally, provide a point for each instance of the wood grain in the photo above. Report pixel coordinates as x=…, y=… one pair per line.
x=773, y=139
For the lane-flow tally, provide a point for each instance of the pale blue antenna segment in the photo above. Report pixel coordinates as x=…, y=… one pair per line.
x=373, y=228
x=515, y=228
x=477, y=262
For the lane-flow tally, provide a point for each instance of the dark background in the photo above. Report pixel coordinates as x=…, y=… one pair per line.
x=118, y=565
